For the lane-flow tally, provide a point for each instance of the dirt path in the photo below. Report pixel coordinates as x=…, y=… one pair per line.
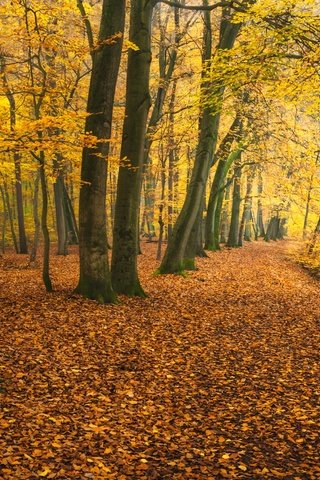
x=214, y=376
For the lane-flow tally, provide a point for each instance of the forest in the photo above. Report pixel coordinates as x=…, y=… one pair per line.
x=159, y=239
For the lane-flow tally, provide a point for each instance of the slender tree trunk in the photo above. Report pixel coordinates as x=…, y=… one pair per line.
x=260, y=222
x=45, y=231
x=306, y=215
x=60, y=216
x=36, y=220
x=246, y=220
x=126, y=224
x=10, y=216
x=224, y=229
x=172, y=158
x=3, y=227
x=95, y=281
x=235, y=213
x=161, y=208
x=23, y=245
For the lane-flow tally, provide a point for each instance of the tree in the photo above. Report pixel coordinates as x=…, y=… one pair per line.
x=94, y=281
x=126, y=223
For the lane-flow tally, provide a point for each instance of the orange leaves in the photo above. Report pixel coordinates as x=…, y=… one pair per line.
x=167, y=387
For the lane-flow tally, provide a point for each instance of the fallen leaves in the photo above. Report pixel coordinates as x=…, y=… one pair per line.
x=215, y=379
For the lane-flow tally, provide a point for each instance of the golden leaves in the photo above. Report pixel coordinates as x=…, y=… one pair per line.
x=168, y=387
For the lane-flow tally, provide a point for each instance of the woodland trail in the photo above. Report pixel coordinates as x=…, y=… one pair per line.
x=213, y=376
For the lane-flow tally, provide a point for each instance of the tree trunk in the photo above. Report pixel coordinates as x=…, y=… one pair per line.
x=94, y=281
x=245, y=231
x=126, y=223
x=306, y=215
x=3, y=227
x=10, y=216
x=161, y=208
x=172, y=158
x=36, y=220
x=235, y=213
x=70, y=218
x=60, y=216
x=23, y=245
x=224, y=229
x=273, y=229
x=44, y=226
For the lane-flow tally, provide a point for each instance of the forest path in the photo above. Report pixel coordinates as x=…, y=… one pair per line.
x=213, y=376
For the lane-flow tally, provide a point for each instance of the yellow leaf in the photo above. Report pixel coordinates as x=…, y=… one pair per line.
x=242, y=467
x=226, y=456
x=44, y=473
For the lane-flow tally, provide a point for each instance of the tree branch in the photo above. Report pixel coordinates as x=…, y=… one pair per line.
x=87, y=24
x=197, y=8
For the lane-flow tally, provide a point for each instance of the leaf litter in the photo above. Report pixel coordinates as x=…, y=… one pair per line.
x=213, y=376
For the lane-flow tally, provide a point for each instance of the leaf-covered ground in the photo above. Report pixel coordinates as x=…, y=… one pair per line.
x=214, y=376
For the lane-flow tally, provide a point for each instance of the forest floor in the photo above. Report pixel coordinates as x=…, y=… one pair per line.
x=213, y=376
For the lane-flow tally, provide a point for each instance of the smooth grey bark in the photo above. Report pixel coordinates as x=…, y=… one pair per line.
x=126, y=222
x=235, y=212
x=95, y=281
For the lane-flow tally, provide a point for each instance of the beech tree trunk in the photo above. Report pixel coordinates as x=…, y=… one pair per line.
x=126, y=222
x=95, y=281
x=10, y=217
x=44, y=225
x=235, y=213
x=224, y=219
x=34, y=248
x=245, y=231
